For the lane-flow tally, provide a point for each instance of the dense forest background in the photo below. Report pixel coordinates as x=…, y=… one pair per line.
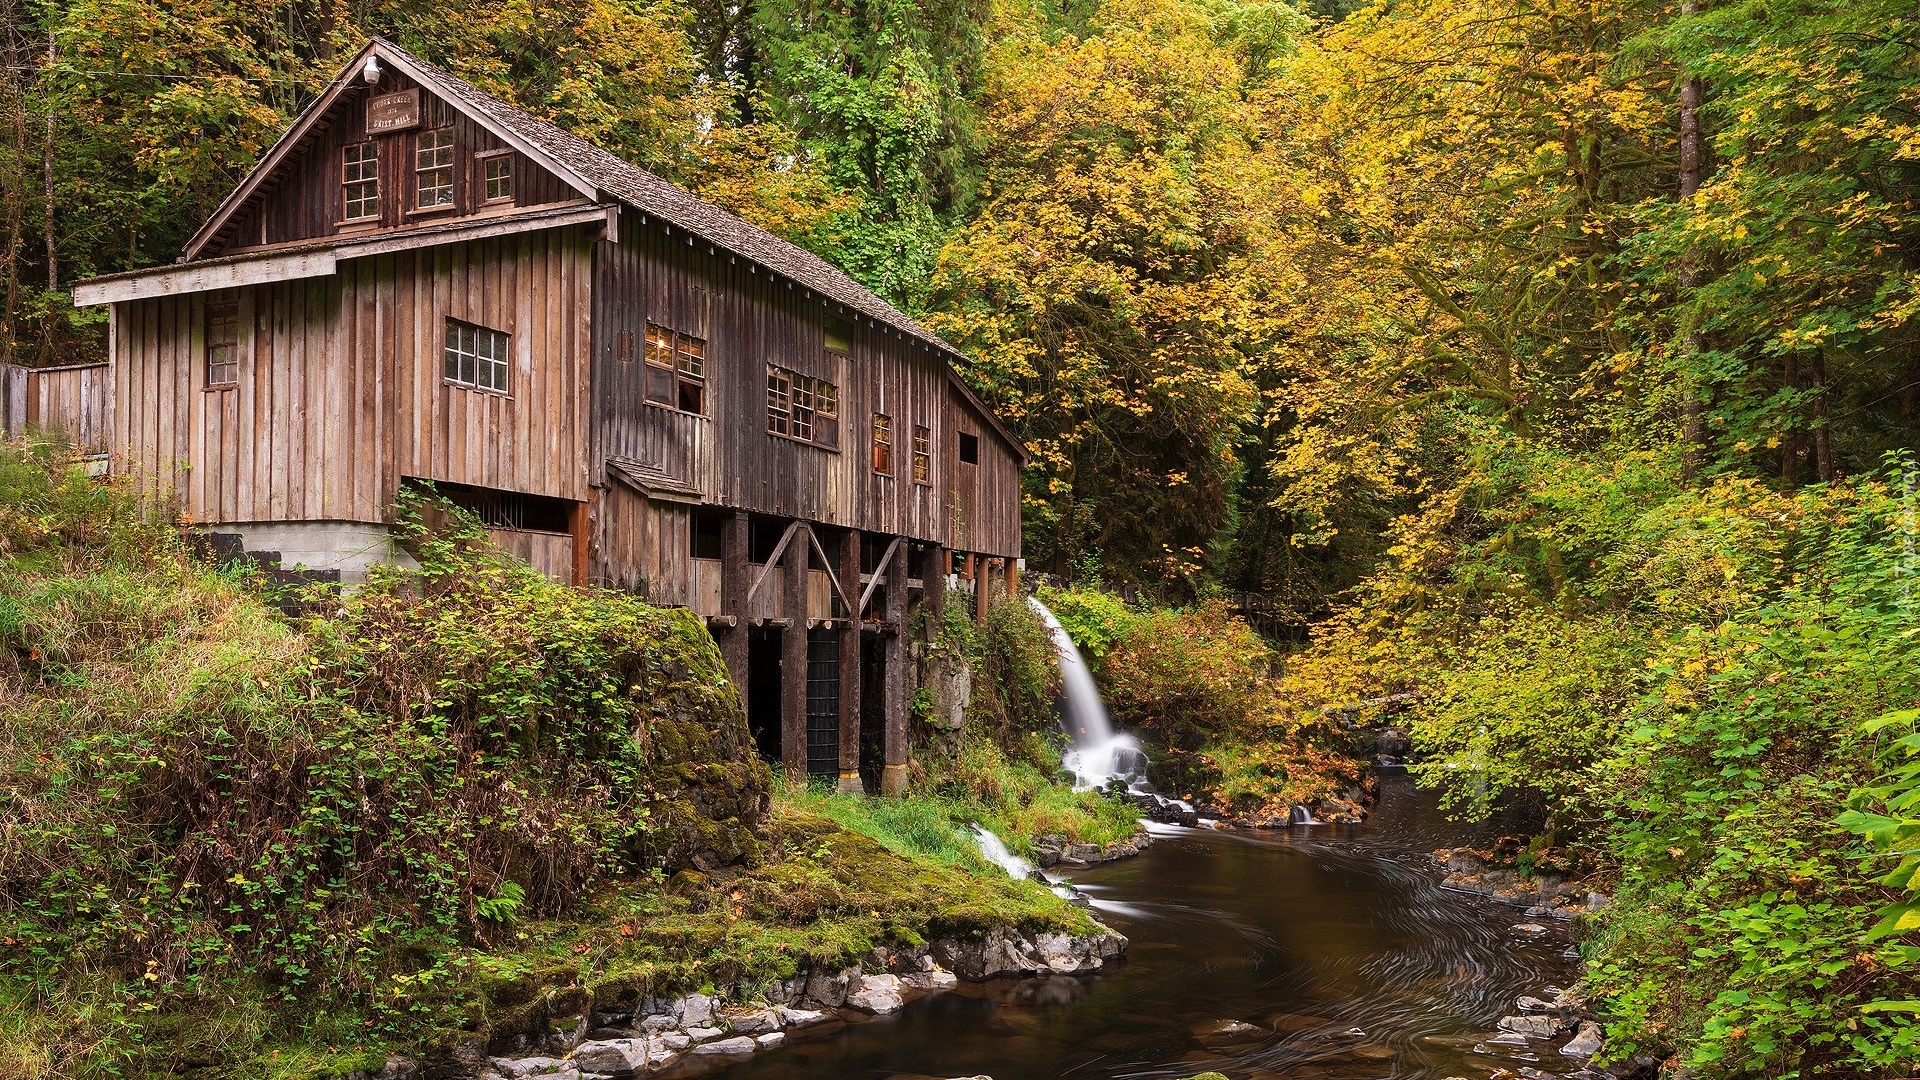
x=1557, y=363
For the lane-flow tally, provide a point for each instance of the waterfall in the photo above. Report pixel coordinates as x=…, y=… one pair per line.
x=995, y=851
x=1099, y=755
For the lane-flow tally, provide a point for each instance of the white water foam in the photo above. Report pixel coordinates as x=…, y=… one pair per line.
x=1100, y=755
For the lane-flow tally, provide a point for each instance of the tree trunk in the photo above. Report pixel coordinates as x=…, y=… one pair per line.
x=13, y=186
x=46, y=164
x=1790, y=430
x=1822, y=434
x=1693, y=431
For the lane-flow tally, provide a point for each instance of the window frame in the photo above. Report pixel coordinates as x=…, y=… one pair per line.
x=674, y=363
x=227, y=311
x=420, y=172
x=968, y=438
x=791, y=393
x=922, y=455
x=487, y=159
x=347, y=183
x=500, y=360
x=882, y=444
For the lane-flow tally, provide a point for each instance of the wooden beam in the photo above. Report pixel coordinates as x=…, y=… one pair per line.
x=846, y=599
x=767, y=567
x=733, y=599
x=850, y=672
x=580, y=527
x=893, y=774
x=982, y=584
x=873, y=583
x=793, y=661
x=934, y=578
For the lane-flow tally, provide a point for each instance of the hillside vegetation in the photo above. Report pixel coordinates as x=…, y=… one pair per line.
x=257, y=845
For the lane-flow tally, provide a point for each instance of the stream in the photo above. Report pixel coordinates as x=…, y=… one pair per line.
x=1336, y=941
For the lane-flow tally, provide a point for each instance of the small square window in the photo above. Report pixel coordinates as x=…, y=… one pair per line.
x=223, y=344
x=922, y=455
x=498, y=171
x=969, y=449
x=433, y=169
x=477, y=356
x=360, y=176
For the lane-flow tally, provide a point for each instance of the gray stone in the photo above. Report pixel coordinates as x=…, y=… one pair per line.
x=1586, y=1042
x=515, y=1068
x=1533, y=1027
x=703, y=1034
x=694, y=1010
x=771, y=1039
x=830, y=988
x=676, y=1041
x=758, y=1022
x=930, y=981
x=397, y=1068
x=876, y=994
x=1533, y=1005
x=614, y=1056
x=738, y=1045
x=1529, y=928
x=654, y=1025
x=800, y=1017
x=1084, y=853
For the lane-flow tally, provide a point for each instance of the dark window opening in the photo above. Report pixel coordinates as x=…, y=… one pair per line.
x=823, y=702
x=707, y=535
x=505, y=509
x=763, y=690
x=764, y=537
x=969, y=449
x=839, y=335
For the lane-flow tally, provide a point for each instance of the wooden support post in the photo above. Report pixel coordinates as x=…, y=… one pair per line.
x=850, y=671
x=581, y=527
x=1013, y=579
x=893, y=778
x=793, y=662
x=982, y=585
x=733, y=593
x=934, y=578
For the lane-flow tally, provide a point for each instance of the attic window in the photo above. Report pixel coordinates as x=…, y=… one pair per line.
x=839, y=336
x=922, y=455
x=969, y=449
x=497, y=171
x=360, y=177
x=676, y=370
x=433, y=168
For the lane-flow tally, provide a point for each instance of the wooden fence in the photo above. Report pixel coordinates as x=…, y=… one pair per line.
x=74, y=399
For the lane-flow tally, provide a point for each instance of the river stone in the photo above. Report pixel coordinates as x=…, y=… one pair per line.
x=616, y=1056
x=739, y=1045
x=830, y=988
x=1221, y=1032
x=876, y=994
x=677, y=1041
x=1531, y=1004
x=1504, y=1038
x=515, y=1068
x=771, y=1039
x=1531, y=929
x=703, y=1034
x=654, y=1025
x=800, y=1017
x=1375, y=1052
x=1586, y=1043
x=930, y=980
x=694, y=1010
x=758, y=1022
x=1534, y=1027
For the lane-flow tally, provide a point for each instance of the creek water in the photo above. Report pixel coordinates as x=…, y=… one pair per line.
x=1334, y=941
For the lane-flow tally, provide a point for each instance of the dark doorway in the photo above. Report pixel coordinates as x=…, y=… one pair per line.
x=823, y=702
x=873, y=712
x=763, y=690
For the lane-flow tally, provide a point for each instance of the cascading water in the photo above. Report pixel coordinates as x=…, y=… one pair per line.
x=996, y=851
x=1100, y=755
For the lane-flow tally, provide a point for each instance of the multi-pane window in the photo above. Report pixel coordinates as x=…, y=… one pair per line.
x=676, y=373
x=476, y=356
x=433, y=169
x=883, y=444
x=802, y=407
x=497, y=171
x=223, y=344
x=360, y=177
x=922, y=455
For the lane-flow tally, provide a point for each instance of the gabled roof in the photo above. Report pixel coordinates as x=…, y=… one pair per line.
x=599, y=175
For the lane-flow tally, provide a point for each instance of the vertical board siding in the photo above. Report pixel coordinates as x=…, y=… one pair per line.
x=341, y=393
x=750, y=319
x=75, y=400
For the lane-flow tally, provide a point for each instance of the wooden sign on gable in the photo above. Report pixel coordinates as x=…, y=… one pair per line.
x=393, y=112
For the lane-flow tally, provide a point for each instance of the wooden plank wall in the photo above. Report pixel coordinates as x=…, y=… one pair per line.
x=750, y=319
x=984, y=498
x=75, y=399
x=304, y=200
x=341, y=394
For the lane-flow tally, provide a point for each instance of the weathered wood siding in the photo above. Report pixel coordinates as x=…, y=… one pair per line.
x=305, y=200
x=74, y=399
x=340, y=391
x=750, y=319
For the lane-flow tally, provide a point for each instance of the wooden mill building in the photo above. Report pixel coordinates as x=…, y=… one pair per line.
x=634, y=389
